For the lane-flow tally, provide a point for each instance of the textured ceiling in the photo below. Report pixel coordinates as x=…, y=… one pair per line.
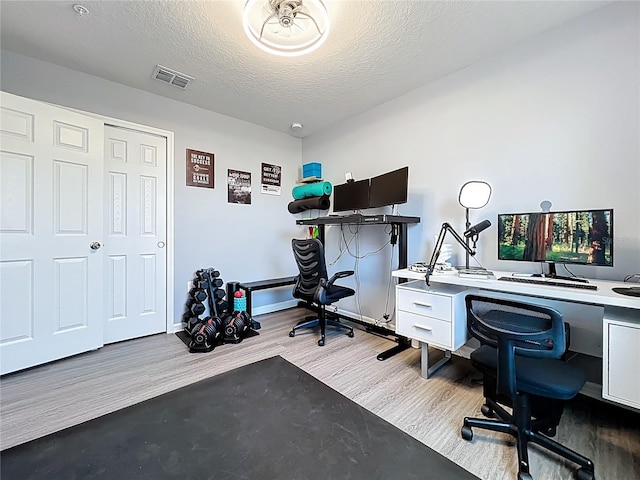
x=376, y=50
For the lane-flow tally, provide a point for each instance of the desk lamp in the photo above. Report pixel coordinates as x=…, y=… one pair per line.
x=473, y=194
x=471, y=234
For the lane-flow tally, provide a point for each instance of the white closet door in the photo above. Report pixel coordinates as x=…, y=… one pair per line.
x=135, y=242
x=51, y=211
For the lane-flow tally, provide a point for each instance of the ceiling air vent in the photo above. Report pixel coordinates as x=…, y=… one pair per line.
x=172, y=77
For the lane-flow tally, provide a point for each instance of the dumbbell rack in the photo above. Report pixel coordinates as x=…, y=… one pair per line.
x=206, y=287
x=221, y=324
x=205, y=333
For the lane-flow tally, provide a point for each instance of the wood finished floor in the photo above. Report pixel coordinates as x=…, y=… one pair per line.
x=48, y=398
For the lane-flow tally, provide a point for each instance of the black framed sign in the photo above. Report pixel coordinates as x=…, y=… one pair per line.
x=239, y=187
x=199, y=169
x=271, y=181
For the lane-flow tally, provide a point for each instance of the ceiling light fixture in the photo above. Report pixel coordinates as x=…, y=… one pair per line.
x=286, y=27
x=81, y=10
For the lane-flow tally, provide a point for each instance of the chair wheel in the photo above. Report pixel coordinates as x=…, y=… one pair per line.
x=584, y=474
x=466, y=433
x=350, y=334
x=524, y=476
x=292, y=333
x=487, y=411
x=321, y=342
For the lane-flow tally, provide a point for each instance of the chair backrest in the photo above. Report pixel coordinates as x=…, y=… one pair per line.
x=309, y=256
x=515, y=328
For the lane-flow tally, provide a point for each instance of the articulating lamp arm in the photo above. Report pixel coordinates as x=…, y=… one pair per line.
x=436, y=251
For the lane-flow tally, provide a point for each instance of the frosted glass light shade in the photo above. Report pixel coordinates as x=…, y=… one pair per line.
x=286, y=27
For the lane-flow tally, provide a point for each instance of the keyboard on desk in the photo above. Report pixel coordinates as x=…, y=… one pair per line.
x=549, y=283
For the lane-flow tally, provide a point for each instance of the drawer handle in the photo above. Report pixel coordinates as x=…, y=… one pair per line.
x=422, y=327
x=422, y=304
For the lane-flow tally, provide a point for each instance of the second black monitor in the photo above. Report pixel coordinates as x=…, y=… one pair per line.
x=389, y=188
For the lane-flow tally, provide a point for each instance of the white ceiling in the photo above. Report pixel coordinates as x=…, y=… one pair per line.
x=376, y=51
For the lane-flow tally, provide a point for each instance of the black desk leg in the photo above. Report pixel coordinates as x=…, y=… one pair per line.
x=403, y=344
x=321, y=233
x=402, y=246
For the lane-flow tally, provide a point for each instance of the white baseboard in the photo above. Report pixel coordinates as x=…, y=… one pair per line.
x=274, y=307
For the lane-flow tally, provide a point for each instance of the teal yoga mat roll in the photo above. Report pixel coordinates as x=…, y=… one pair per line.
x=317, y=189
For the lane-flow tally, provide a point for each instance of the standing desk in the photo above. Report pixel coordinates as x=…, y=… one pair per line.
x=399, y=225
x=610, y=335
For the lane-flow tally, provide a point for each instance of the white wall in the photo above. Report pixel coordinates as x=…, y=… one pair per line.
x=555, y=118
x=244, y=242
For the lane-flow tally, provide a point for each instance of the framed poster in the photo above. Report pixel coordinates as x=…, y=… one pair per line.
x=239, y=187
x=271, y=180
x=199, y=169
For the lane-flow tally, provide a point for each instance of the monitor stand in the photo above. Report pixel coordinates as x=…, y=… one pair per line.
x=552, y=274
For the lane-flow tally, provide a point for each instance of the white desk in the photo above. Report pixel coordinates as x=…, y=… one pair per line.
x=605, y=325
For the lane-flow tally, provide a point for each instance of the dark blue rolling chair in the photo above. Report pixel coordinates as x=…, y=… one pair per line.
x=520, y=358
x=315, y=288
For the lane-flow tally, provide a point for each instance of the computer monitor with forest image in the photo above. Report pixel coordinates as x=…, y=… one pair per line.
x=582, y=237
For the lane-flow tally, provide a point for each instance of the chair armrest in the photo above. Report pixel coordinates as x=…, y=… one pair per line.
x=336, y=276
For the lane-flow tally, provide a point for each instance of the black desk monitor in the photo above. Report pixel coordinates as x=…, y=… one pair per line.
x=351, y=196
x=389, y=188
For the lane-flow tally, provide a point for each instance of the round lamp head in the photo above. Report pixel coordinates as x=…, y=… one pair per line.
x=474, y=194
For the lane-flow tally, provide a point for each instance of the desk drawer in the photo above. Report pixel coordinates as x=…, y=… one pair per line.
x=425, y=329
x=425, y=303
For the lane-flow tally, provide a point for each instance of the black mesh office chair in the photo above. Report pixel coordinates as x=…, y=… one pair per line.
x=314, y=287
x=520, y=360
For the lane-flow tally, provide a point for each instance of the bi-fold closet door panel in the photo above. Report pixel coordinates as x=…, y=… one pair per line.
x=135, y=234
x=51, y=211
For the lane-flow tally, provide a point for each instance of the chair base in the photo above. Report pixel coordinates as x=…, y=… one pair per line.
x=546, y=411
x=311, y=322
x=506, y=423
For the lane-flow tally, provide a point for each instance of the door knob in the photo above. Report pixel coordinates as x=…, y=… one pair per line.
x=95, y=245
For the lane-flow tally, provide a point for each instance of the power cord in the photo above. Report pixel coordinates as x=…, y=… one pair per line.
x=569, y=271
x=386, y=316
x=345, y=246
x=348, y=244
x=478, y=263
x=631, y=277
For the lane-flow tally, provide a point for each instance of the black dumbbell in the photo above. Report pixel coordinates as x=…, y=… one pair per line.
x=197, y=309
x=204, y=334
x=198, y=294
x=219, y=294
x=200, y=283
x=190, y=323
x=236, y=326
